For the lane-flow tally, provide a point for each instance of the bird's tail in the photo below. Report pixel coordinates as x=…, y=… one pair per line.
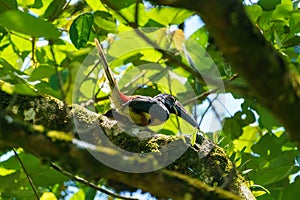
x=116, y=96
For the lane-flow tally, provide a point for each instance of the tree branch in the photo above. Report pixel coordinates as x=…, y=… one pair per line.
x=194, y=173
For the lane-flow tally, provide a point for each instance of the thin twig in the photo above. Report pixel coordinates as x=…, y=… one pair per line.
x=202, y=117
x=94, y=67
x=200, y=97
x=136, y=14
x=33, y=51
x=213, y=108
x=27, y=175
x=85, y=182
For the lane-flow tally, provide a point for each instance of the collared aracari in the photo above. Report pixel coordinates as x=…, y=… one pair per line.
x=143, y=110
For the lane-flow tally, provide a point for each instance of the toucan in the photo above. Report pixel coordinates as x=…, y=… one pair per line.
x=143, y=110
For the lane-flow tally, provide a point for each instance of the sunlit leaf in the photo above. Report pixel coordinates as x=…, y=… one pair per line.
x=48, y=196
x=80, y=30
x=129, y=12
x=5, y=172
x=282, y=10
x=169, y=15
x=118, y=5
x=254, y=11
x=25, y=23
x=54, y=9
x=78, y=195
x=201, y=36
x=105, y=22
x=96, y=5
x=247, y=139
x=42, y=71
x=197, y=56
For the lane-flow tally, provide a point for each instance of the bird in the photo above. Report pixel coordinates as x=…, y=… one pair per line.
x=143, y=110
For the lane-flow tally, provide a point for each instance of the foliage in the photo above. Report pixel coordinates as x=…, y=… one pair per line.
x=46, y=47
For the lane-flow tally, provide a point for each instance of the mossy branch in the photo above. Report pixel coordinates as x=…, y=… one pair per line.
x=24, y=122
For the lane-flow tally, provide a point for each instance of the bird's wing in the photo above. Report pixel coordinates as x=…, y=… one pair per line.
x=141, y=104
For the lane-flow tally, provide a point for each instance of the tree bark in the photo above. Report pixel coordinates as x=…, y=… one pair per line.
x=45, y=128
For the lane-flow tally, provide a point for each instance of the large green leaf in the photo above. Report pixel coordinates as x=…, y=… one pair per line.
x=232, y=127
x=269, y=146
x=200, y=36
x=30, y=3
x=130, y=14
x=27, y=24
x=117, y=4
x=105, y=22
x=169, y=15
x=80, y=30
x=292, y=190
x=54, y=9
x=95, y=5
x=14, y=81
x=43, y=71
x=8, y=5
x=276, y=169
x=266, y=119
x=16, y=185
x=268, y=4
x=254, y=11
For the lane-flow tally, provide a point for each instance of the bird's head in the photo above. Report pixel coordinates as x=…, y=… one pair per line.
x=175, y=107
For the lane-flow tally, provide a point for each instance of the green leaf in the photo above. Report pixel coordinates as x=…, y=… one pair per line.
x=201, y=36
x=105, y=22
x=283, y=10
x=129, y=13
x=96, y=5
x=30, y=3
x=42, y=71
x=46, y=88
x=198, y=55
x=268, y=146
x=276, y=169
x=117, y=4
x=42, y=175
x=169, y=15
x=48, y=196
x=24, y=89
x=54, y=9
x=254, y=11
x=55, y=79
x=244, y=117
x=247, y=139
x=27, y=24
x=80, y=30
x=268, y=4
x=232, y=127
x=292, y=190
x=266, y=119
x=8, y=5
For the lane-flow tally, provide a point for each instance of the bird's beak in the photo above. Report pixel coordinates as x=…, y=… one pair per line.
x=181, y=112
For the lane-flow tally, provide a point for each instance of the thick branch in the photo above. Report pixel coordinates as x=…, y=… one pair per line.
x=252, y=57
x=198, y=167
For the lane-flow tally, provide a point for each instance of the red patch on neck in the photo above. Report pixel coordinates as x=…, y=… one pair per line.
x=125, y=98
